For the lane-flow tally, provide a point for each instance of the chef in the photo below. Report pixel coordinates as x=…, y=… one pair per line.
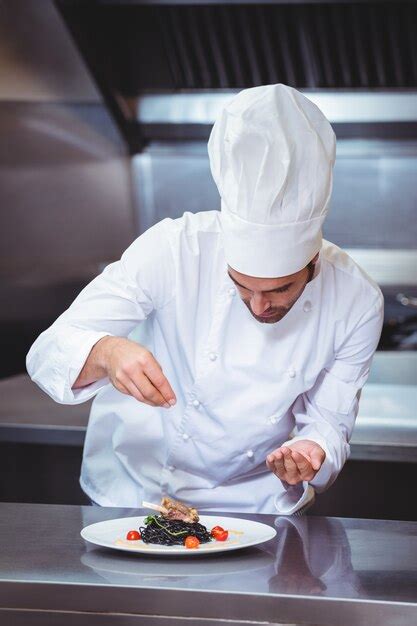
x=256, y=335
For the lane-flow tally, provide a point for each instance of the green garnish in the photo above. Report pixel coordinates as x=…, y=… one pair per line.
x=152, y=518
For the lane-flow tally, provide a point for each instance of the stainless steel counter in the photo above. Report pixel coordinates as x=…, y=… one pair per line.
x=316, y=571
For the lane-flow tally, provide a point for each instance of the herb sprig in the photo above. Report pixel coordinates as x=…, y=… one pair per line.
x=152, y=518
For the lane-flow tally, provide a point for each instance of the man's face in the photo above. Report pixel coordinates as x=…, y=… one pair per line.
x=270, y=299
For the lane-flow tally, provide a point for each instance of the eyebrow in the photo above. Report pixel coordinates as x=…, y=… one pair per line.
x=276, y=290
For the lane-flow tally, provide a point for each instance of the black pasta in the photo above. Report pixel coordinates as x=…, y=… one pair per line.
x=159, y=530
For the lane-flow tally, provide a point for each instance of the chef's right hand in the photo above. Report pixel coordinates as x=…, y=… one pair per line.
x=134, y=371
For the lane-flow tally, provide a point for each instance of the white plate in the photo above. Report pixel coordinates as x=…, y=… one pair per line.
x=242, y=534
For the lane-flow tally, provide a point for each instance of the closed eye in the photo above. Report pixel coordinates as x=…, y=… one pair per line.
x=282, y=289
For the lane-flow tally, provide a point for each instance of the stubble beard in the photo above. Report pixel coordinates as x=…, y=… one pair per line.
x=280, y=312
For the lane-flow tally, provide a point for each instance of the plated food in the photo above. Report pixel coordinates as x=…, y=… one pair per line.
x=176, y=529
x=176, y=524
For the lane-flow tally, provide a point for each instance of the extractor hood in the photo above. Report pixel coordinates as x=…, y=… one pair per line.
x=136, y=48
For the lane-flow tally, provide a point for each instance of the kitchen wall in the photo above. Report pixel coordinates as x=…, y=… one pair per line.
x=374, y=203
x=65, y=199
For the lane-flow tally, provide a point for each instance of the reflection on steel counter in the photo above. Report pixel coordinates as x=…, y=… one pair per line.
x=313, y=557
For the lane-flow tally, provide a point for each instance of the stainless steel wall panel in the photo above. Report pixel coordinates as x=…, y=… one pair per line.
x=64, y=191
x=38, y=60
x=374, y=201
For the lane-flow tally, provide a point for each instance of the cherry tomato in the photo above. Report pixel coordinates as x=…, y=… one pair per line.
x=216, y=528
x=216, y=531
x=191, y=542
x=133, y=535
x=221, y=536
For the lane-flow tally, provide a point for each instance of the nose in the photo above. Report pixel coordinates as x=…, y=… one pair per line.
x=259, y=303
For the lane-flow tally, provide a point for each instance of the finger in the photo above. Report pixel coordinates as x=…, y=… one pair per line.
x=317, y=456
x=277, y=460
x=293, y=476
x=304, y=466
x=149, y=392
x=120, y=387
x=126, y=391
x=304, y=454
x=126, y=386
x=155, y=374
x=133, y=390
x=270, y=464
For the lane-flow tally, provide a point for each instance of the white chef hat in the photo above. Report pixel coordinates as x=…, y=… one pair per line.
x=271, y=154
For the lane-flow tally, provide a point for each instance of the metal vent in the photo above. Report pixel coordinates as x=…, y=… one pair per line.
x=138, y=50
x=218, y=46
x=311, y=46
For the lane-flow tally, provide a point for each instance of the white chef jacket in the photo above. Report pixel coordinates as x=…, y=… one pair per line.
x=242, y=387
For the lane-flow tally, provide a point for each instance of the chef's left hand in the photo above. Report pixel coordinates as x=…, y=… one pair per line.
x=297, y=462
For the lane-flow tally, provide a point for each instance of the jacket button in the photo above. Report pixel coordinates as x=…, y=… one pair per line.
x=273, y=420
x=232, y=291
x=292, y=373
x=249, y=454
x=212, y=356
x=307, y=306
x=196, y=403
x=171, y=468
x=185, y=436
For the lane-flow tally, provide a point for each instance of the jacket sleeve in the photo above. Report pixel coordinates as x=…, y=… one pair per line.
x=327, y=412
x=112, y=304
